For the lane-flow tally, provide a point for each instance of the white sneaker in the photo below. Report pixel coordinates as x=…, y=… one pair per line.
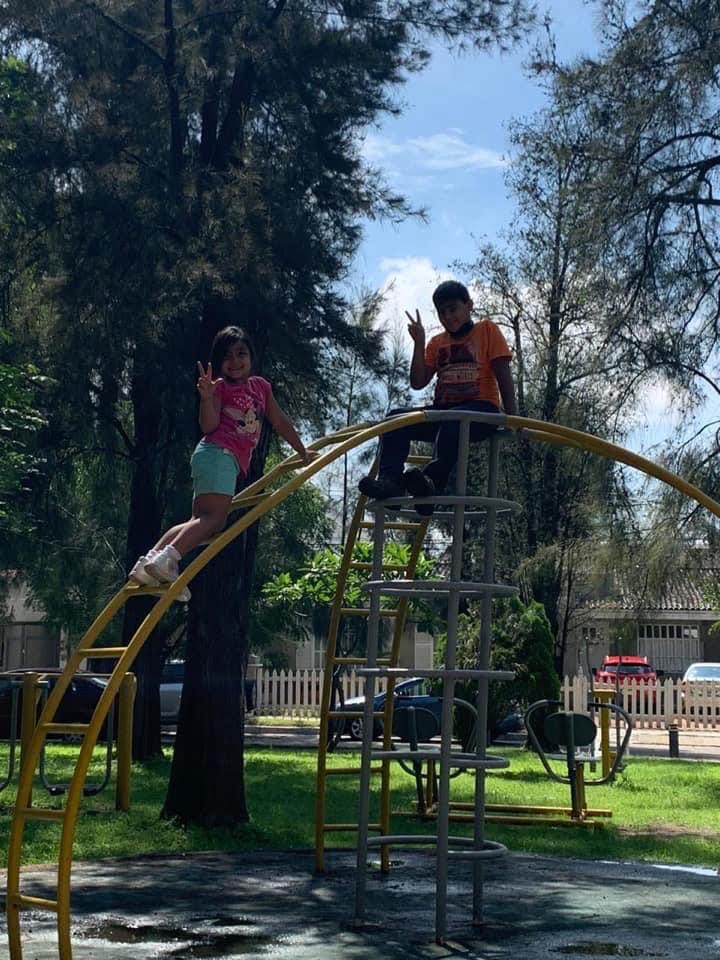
x=184, y=595
x=163, y=566
x=139, y=574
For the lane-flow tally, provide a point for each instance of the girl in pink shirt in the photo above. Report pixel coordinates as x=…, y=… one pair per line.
x=232, y=409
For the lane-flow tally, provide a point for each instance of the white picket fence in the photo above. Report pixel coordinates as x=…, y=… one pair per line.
x=654, y=705
x=289, y=693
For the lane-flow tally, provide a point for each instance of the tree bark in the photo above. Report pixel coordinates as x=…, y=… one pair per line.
x=207, y=781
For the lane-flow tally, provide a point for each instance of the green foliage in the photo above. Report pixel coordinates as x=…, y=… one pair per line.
x=521, y=642
x=20, y=423
x=301, y=600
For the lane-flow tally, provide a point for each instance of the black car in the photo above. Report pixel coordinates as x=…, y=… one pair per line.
x=414, y=692
x=76, y=706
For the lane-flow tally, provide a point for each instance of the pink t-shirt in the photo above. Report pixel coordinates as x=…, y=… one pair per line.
x=242, y=410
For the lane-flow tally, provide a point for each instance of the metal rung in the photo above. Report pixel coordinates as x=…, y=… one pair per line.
x=365, y=611
x=418, y=458
x=115, y=652
x=359, y=661
x=343, y=771
x=350, y=714
x=361, y=565
x=71, y=729
x=390, y=525
x=22, y=901
x=349, y=827
x=41, y=813
x=463, y=761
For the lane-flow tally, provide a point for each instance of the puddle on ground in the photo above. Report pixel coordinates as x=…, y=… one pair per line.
x=606, y=950
x=193, y=943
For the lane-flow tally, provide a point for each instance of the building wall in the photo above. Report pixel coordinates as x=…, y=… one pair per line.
x=25, y=641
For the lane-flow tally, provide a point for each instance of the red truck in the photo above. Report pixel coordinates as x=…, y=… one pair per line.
x=625, y=667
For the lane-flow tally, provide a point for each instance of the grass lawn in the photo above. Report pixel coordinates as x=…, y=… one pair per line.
x=663, y=811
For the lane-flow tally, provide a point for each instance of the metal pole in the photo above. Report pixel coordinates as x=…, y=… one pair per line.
x=368, y=721
x=483, y=663
x=449, y=689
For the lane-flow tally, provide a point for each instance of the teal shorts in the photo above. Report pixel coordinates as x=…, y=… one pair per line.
x=214, y=470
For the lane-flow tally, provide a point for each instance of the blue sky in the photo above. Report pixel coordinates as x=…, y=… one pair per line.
x=447, y=152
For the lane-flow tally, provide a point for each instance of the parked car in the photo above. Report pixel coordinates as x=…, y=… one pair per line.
x=77, y=705
x=701, y=674
x=171, y=684
x=625, y=667
x=414, y=692
x=704, y=672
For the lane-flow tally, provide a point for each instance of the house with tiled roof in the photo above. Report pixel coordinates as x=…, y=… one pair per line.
x=669, y=624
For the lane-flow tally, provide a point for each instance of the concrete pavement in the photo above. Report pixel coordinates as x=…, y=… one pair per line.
x=267, y=904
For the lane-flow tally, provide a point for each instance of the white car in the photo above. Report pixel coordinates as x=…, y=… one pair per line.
x=171, y=684
x=701, y=697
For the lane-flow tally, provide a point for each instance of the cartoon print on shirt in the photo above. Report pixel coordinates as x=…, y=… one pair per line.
x=246, y=421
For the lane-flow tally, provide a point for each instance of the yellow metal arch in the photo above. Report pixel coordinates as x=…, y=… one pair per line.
x=257, y=499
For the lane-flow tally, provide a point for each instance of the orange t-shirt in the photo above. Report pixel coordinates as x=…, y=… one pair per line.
x=463, y=365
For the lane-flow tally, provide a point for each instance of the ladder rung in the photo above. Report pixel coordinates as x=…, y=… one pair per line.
x=357, y=661
x=115, y=652
x=22, y=901
x=417, y=458
x=41, y=813
x=391, y=525
x=71, y=729
x=361, y=565
x=351, y=714
x=365, y=612
x=346, y=771
x=347, y=827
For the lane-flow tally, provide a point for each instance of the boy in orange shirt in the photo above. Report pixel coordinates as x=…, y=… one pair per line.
x=472, y=363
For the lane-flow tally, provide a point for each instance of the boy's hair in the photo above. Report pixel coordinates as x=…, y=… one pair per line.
x=224, y=339
x=450, y=290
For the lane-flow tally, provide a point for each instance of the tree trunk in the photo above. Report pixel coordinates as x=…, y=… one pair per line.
x=207, y=783
x=143, y=531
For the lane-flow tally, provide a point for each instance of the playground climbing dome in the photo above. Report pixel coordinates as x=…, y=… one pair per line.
x=255, y=501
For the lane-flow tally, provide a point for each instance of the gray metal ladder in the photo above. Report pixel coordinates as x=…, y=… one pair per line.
x=461, y=506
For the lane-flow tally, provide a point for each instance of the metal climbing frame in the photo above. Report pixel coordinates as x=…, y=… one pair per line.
x=476, y=849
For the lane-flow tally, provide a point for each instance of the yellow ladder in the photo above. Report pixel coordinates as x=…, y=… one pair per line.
x=329, y=714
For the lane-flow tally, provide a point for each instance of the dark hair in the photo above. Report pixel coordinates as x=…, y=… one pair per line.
x=225, y=339
x=450, y=290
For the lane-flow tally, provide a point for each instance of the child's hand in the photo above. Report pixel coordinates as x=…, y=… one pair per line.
x=307, y=456
x=415, y=328
x=206, y=385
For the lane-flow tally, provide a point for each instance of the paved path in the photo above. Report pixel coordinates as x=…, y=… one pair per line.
x=693, y=744
x=261, y=905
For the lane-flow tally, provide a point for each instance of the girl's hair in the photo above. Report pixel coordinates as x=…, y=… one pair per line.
x=225, y=339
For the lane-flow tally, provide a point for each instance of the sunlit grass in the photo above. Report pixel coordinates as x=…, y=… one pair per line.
x=663, y=811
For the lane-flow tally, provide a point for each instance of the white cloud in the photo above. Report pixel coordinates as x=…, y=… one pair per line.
x=437, y=152
x=657, y=407
x=408, y=284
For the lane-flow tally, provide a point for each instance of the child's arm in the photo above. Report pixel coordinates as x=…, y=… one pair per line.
x=284, y=426
x=209, y=414
x=503, y=375
x=420, y=373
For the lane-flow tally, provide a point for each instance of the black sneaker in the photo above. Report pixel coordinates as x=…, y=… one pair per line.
x=381, y=489
x=419, y=484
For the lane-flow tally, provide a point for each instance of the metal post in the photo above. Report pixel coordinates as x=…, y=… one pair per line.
x=483, y=663
x=449, y=689
x=126, y=700
x=30, y=697
x=368, y=721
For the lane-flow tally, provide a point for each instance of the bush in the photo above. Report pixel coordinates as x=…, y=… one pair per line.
x=522, y=642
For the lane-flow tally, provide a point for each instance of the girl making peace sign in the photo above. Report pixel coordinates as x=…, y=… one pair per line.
x=232, y=408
